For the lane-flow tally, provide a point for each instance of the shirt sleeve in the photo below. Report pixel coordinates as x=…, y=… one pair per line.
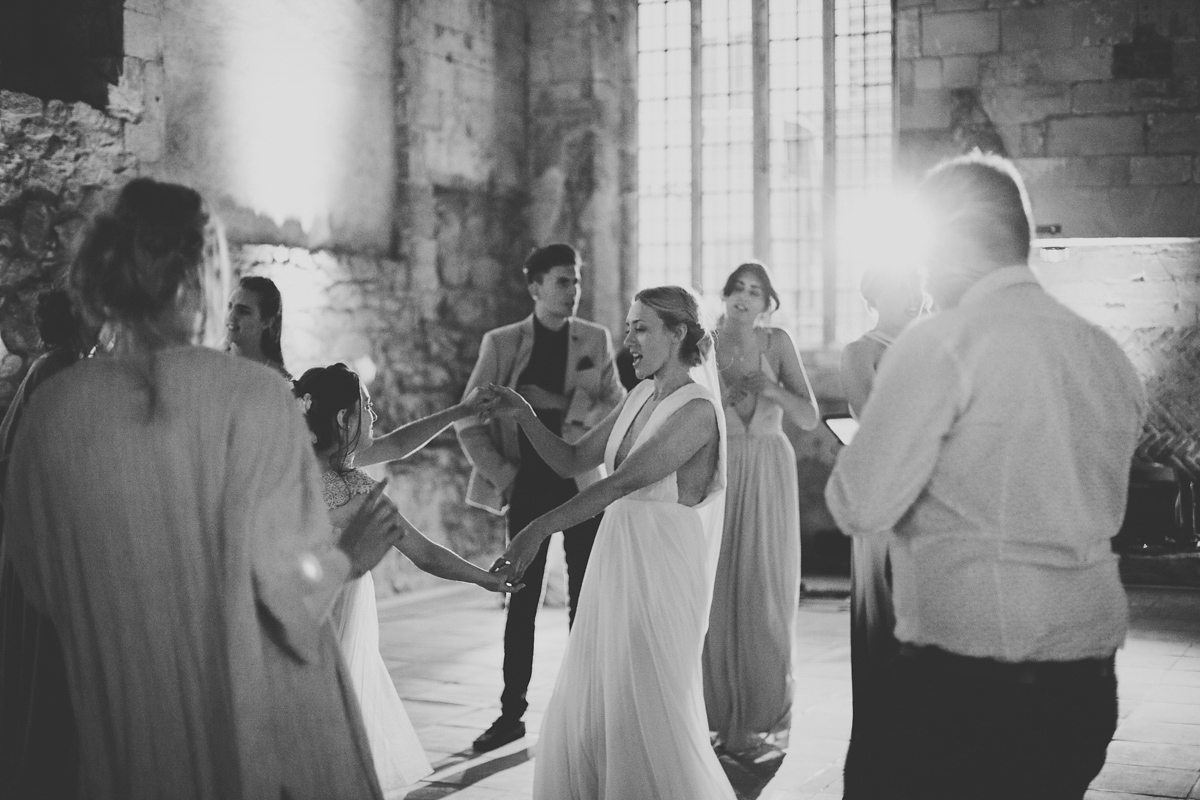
x=917, y=396
x=274, y=499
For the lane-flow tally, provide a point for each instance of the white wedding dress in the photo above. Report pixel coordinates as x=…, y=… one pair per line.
x=627, y=720
x=399, y=757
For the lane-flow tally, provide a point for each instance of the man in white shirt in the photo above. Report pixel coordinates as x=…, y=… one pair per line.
x=996, y=444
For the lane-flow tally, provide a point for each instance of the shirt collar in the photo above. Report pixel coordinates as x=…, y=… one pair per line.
x=996, y=280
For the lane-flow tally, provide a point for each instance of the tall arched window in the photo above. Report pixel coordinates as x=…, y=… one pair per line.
x=762, y=124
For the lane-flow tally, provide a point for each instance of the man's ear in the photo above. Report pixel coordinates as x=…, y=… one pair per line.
x=535, y=288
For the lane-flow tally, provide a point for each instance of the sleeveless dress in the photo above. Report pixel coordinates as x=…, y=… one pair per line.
x=400, y=758
x=626, y=719
x=748, y=652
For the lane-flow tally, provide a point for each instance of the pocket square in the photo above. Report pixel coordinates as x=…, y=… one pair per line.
x=585, y=363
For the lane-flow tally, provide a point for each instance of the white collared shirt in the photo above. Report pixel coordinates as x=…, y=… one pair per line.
x=996, y=444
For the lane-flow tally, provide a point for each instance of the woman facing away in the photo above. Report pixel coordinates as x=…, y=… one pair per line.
x=164, y=510
x=896, y=298
x=748, y=651
x=626, y=719
x=337, y=408
x=254, y=322
x=38, y=749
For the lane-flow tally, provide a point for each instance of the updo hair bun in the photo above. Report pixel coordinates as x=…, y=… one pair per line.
x=330, y=390
x=677, y=306
x=137, y=255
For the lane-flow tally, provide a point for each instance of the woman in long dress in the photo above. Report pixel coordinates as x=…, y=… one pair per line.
x=748, y=651
x=337, y=408
x=895, y=296
x=164, y=510
x=626, y=719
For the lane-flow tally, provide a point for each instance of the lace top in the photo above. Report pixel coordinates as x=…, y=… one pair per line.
x=338, y=487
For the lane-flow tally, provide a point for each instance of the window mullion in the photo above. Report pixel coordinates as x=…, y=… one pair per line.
x=697, y=144
x=760, y=45
x=829, y=275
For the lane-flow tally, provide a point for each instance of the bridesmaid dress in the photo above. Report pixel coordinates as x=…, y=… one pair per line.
x=748, y=653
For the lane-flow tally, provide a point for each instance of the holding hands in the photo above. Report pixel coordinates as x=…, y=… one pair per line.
x=521, y=552
x=499, y=401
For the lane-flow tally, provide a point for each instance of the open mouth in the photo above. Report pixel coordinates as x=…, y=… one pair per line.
x=637, y=358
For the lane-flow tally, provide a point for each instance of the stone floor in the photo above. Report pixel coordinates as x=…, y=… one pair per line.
x=444, y=652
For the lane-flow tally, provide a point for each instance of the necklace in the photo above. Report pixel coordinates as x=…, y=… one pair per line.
x=740, y=356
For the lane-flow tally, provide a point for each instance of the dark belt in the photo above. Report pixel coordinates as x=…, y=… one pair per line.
x=1024, y=673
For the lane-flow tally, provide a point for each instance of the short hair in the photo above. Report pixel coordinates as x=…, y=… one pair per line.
x=544, y=259
x=760, y=271
x=982, y=197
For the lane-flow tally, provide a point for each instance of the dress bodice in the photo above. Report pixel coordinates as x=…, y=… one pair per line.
x=767, y=417
x=338, y=487
x=665, y=490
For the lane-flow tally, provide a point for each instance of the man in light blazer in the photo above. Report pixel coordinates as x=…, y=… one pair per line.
x=564, y=367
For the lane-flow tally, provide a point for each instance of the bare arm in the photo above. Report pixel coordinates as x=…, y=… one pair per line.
x=411, y=437
x=566, y=458
x=680, y=438
x=795, y=395
x=445, y=563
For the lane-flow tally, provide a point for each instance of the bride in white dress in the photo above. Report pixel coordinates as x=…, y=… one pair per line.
x=627, y=717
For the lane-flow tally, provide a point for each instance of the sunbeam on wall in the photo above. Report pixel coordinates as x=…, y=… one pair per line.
x=301, y=96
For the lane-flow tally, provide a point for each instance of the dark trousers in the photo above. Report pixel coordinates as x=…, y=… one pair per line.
x=536, y=491
x=972, y=727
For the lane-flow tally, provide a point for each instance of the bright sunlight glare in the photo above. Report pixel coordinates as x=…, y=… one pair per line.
x=881, y=229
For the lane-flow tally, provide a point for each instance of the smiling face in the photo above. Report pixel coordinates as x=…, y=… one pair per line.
x=748, y=300
x=243, y=321
x=556, y=292
x=650, y=342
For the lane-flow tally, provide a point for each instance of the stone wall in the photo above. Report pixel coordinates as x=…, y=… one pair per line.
x=1097, y=101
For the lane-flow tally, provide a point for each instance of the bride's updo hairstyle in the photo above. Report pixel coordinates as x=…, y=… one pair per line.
x=323, y=392
x=677, y=306
x=139, y=257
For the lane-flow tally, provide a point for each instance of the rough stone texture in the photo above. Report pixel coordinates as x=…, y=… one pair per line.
x=56, y=160
x=582, y=157
x=1035, y=81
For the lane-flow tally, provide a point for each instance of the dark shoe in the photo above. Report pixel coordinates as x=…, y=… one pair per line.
x=503, y=731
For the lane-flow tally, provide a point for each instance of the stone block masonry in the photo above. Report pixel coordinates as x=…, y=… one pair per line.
x=1080, y=84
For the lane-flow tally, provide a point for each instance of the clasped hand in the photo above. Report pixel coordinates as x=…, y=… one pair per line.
x=738, y=390
x=520, y=553
x=496, y=401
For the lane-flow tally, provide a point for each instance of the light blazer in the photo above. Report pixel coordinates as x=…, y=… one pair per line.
x=591, y=386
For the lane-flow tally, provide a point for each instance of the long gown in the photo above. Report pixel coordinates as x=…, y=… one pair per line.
x=160, y=515
x=626, y=719
x=399, y=756
x=748, y=651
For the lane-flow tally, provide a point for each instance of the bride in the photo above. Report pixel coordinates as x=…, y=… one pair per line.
x=627, y=715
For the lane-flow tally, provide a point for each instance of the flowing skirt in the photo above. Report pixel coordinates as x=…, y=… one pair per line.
x=400, y=758
x=626, y=719
x=748, y=651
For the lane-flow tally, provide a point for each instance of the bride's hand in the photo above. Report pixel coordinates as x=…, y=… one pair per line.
x=520, y=553
x=476, y=402
x=500, y=580
x=504, y=402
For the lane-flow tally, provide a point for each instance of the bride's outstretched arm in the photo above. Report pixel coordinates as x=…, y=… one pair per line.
x=680, y=438
x=565, y=458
